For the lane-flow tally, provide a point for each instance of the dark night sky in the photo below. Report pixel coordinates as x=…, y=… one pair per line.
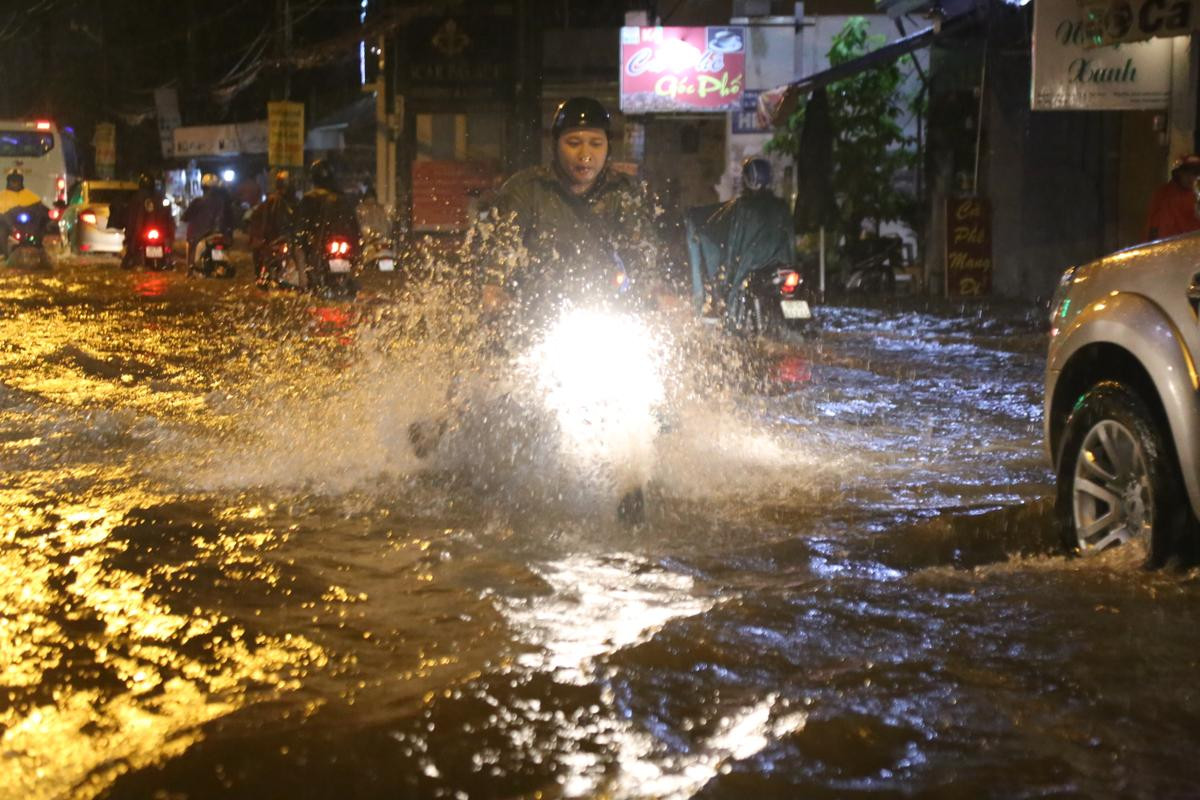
x=84, y=61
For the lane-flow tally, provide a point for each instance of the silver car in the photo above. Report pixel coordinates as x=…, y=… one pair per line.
x=1123, y=401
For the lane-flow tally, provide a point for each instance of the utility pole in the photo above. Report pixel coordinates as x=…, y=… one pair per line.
x=283, y=46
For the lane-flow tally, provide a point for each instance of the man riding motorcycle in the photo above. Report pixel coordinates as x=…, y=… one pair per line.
x=575, y=225
x=751, y=231
x=323, y=212
x=15, y=195
x=270, y=220
x=549, y=220
x=145, y=208
x=211, y=212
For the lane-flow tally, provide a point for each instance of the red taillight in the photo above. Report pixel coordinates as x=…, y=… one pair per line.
x=43, y=125
x=88, y=217
x=55, y=213
x=790, y=281
x=152, y=235
x=338, y=247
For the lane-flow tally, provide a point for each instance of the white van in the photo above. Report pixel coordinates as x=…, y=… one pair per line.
x=44, y=155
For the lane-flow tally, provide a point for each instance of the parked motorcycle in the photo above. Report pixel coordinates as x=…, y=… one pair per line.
x=876, y=265
x=211, y=257
x=25, y=228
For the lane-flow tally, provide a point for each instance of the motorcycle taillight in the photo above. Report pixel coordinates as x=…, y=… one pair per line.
x=153, y=234
x=338, y=247
x=789, y=281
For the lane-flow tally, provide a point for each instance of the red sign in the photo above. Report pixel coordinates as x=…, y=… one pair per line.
x=968, y=247
x=682, y=69
x=442, y=192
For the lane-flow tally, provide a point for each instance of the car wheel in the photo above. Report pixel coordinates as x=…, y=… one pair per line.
x=1118, y=483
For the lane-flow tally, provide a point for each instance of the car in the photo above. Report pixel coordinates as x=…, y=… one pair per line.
x=84, y=222
x=1122, y=401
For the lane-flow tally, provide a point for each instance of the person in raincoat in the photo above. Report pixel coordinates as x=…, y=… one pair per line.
x=1173, y=206
x=751, y=231
x=549, y=223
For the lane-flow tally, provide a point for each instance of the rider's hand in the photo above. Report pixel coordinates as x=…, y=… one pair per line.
x=494, y=298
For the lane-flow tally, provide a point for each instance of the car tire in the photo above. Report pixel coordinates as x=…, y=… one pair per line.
x=1118, y=480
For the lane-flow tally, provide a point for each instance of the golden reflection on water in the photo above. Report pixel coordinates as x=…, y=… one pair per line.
x=64, y=602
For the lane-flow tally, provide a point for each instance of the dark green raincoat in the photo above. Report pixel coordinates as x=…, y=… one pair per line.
x=541, y=233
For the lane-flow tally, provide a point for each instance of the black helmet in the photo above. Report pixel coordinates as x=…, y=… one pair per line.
x=146, y=182
x=14, y=181
x=580, y=112
x=322, y=174
x=756, y=173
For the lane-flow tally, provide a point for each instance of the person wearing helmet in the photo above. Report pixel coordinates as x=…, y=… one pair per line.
x=324, y=211
x=211, y=212
x=1173, y=205
x=271, y=219
x=145, y=208
x=753, y=230
x=576, y=211
x=14, y=196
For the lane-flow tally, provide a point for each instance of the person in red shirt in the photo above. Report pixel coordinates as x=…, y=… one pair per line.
x=1173, y=206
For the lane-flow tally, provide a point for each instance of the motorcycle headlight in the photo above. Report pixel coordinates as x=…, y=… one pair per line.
x=598, y=369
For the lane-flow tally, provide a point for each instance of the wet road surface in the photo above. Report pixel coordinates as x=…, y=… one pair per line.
x=224, y=574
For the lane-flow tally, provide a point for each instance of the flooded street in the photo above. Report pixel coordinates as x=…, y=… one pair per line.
x=225, y=574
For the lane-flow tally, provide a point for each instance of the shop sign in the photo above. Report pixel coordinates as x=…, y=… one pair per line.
x=104, y=140
x=1070, y=75
x=968, y=247
x=466, y=56
x=166, y=104
x=682, y=69
x=285, y=134
x=221, y=140
x=1114, y=21
x=747, y=119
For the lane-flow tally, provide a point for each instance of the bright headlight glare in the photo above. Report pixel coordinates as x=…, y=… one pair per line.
x=599, y=372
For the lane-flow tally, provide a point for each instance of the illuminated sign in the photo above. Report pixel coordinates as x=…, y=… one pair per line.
x=682, y=69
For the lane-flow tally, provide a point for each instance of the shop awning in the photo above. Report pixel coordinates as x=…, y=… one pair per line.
x=776, y=105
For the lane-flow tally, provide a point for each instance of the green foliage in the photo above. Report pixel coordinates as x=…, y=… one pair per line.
x=870, y=150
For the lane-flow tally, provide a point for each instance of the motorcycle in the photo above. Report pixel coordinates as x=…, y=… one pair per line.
x=279, y=267
x=151, y=248
x=211, y=257
x=378, y=244
x=878, y=263
x=333, y=273
x=26, y=226
x=769, y=301
x=585, y=382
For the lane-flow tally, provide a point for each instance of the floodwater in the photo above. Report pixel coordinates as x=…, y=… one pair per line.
x=224, y=573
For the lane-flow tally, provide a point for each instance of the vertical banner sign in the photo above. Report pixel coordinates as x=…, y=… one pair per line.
x=682, y=69
x=968, y=247
x=285, y=134
x=166, y=103
x=104, y=140
x=1070, y=74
